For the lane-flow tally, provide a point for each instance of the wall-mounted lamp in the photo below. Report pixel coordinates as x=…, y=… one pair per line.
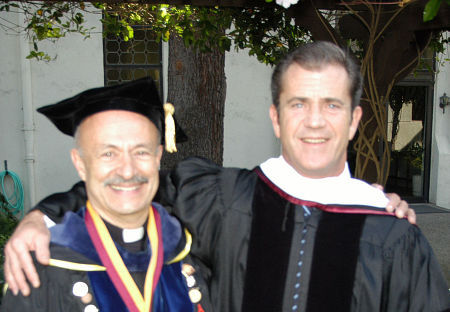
x=444, y=101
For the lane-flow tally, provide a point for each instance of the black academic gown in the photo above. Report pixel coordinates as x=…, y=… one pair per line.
x=247, y=237
x=77, y=281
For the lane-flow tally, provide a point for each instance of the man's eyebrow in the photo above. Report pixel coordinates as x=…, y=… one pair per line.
x=148, y=145
x=111, y=145
x=331, y=99
x=297, y=98
x=305, y=99
x=105, y=145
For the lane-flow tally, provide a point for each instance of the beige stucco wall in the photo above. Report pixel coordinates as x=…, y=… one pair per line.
x=440, y=157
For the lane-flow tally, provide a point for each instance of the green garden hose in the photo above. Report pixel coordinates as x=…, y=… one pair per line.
x=14, y=201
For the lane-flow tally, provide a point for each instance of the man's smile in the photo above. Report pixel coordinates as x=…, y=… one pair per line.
x=314, y=140
x=127, y=188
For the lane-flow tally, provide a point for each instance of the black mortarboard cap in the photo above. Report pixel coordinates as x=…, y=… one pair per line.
x=139, y=96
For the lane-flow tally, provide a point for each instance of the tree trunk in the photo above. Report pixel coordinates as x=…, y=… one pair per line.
x=197, y=89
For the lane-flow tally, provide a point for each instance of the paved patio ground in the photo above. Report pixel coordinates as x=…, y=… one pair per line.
x=435, y=224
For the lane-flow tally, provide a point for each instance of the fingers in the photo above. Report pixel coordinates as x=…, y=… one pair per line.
x=30, y=235
x=378, y=186
x=411, y=215
x=394, y=203
x=9, y=278
x=400, y=208
x=14, y=275
x=42, y=243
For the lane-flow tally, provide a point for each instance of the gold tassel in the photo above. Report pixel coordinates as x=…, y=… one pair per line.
x=169, y=110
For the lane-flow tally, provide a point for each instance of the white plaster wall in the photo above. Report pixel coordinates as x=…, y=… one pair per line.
x=248, y=134
x=440, y=165
x=11, y=117
x=78, y=66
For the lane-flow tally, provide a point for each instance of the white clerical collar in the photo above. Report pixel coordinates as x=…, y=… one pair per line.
x=132, y=235
x=341, y=190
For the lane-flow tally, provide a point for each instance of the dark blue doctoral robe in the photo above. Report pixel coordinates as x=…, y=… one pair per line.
x=70, y=243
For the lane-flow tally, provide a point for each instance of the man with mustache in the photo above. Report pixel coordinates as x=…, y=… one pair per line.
x=118, y=251
x=260, y=238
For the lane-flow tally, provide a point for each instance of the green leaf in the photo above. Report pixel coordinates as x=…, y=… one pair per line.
x=99, y=5
x=130, y=31
x=225, y=43
x=431, y=9
x=166, y=36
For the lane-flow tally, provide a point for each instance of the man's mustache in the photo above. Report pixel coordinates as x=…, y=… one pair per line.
x=121, y=180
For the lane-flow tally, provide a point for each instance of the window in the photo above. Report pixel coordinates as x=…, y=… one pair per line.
x=133, y=59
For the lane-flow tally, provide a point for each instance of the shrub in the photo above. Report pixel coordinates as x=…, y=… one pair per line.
x=8, y=223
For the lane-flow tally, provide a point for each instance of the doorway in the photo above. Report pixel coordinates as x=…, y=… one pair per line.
x=409, y=133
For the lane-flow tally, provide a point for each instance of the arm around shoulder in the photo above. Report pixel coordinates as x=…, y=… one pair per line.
x=32, y=235
x=56, y=205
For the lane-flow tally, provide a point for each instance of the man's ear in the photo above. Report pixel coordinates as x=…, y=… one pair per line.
x=159, y=153
x=78, y=162
x=275, y=120
x=356, y=117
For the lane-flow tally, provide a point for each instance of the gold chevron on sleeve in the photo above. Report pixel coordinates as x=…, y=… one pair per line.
x=75, y=266
x=186, y=249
